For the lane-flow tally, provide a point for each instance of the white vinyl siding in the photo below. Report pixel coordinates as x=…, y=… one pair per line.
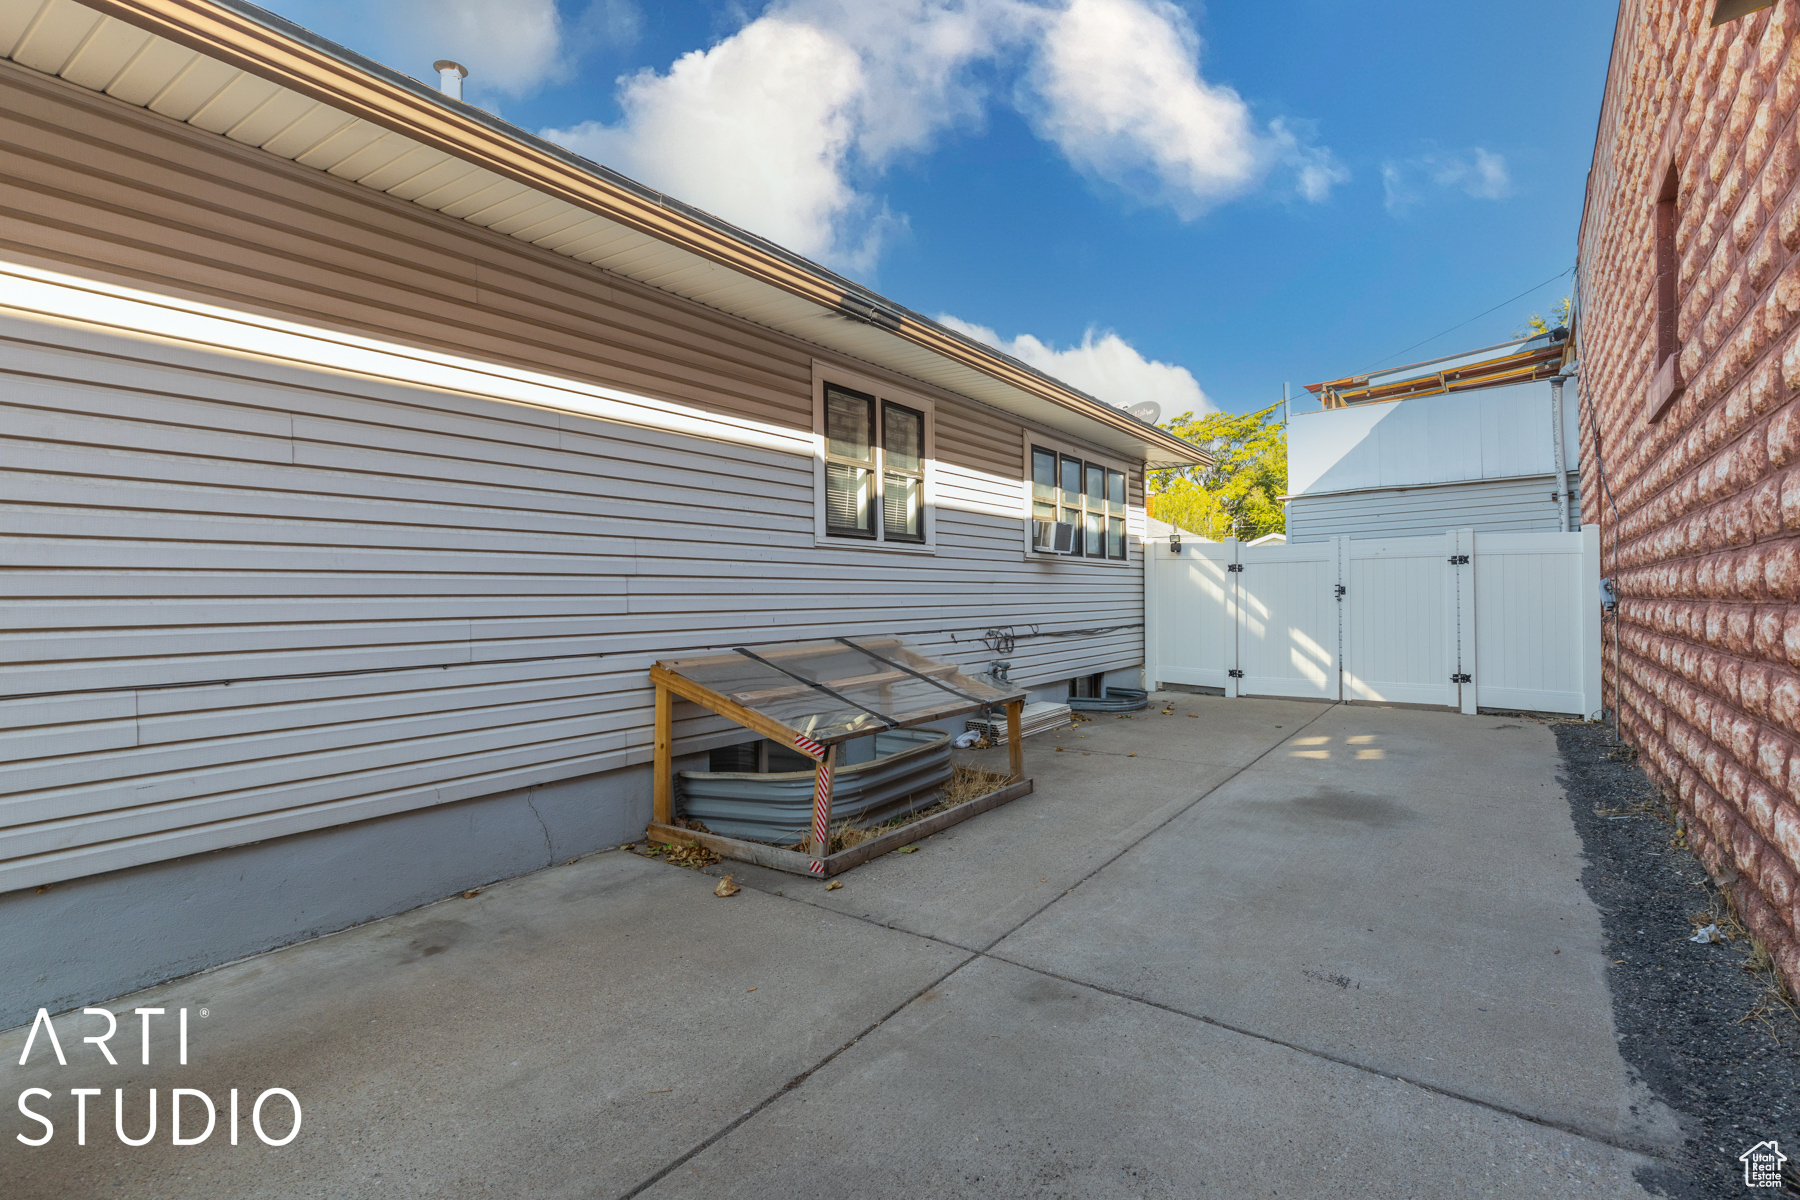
x=247, y=598
x=1487, y=506
x=316, y=506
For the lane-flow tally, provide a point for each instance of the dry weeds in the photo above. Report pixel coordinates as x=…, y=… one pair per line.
x=966, y=784
x=1775, y=1001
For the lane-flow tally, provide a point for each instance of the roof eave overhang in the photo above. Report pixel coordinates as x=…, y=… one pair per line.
x=263, y=45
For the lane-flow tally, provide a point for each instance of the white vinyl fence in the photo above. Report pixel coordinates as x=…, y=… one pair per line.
x=1465, y=620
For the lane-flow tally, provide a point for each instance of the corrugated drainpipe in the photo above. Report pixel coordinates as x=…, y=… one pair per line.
x=1562, y=470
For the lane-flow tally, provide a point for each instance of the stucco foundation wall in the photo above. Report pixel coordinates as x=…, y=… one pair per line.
x=1705, y=539
x=90, y=939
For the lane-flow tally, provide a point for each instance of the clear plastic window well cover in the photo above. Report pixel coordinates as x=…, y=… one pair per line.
x=839, y=688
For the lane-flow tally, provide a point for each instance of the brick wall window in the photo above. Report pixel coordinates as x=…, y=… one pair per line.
x=1665, y=383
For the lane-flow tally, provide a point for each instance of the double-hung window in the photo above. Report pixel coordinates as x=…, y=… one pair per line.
x=876, y=457
x=902, y=473
x=1087, y=495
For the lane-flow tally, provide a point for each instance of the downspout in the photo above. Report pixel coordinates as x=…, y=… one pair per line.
x=1562, y=469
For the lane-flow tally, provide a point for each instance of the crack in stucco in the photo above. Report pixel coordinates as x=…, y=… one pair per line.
x=549, y=849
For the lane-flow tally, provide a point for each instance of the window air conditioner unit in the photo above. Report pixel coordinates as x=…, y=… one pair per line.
x=1053, y=537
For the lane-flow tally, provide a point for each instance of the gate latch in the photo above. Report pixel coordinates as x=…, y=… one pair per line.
x=1341, y=589
x=1462, y=678
x=1459, y=560
x=1235, y=673
x=1235, y=567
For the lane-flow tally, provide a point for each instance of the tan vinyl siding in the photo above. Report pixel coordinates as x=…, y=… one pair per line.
x=249, y=597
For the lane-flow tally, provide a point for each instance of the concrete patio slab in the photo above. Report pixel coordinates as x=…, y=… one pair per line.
x=1398, y=888
x=1004, y=1082
x=1227, y=946
x=976, y=881
x=563, y=1034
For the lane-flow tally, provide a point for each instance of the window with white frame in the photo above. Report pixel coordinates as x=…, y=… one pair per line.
x=875, y=486
x=1083, y=493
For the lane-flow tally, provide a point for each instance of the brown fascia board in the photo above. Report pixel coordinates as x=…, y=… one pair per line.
x=270, y=48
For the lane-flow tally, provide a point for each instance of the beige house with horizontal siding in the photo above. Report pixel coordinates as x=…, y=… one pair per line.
x=361, y=453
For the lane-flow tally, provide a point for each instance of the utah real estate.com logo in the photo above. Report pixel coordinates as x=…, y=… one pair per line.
x=1762, y=1165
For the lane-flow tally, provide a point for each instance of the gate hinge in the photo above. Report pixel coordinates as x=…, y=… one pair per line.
x=1235, y=567
x=1459, y=560
x=1462, y=678
x=1235, y=673
x=1341, y=589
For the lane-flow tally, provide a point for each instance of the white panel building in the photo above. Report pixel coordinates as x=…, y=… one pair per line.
x=1485, y=459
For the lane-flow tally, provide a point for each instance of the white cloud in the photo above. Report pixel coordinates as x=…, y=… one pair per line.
x=786, y=126
x=1120, y=93
x=1482, y=176
x=1479, y=173
x=773, y=127
x=1316, y=172
x=1104, y=366
x=756, y=129
x=511, y=47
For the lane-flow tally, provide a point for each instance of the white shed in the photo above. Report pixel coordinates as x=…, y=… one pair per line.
x=1484, y=459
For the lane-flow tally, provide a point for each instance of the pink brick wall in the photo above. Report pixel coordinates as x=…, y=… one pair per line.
x=1708, y=499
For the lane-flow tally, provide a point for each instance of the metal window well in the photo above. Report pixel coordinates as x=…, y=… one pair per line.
x=901, y=772
x=816, y=696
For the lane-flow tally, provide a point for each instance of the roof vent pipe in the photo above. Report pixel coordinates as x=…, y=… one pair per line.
x=450, y=77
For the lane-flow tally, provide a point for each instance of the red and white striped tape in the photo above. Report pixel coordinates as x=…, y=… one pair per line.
x=821, y=816
x=808, y=747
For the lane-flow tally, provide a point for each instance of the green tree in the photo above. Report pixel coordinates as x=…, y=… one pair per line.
x=1538, y=323
x=1238, y=495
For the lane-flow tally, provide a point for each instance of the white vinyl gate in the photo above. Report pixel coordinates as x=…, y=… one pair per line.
x=1464, y=620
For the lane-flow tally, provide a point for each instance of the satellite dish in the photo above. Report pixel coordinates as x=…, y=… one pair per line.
x=1149, y=412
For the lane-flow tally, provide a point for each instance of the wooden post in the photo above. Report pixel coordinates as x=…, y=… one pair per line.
x=1015, y=741
x=824, y=784
x=664, y=759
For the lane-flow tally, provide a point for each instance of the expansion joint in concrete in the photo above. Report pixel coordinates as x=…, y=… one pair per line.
x=972, y=956
x=1649, y=1151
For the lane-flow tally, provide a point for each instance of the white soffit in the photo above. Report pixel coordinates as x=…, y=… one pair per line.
x=102, y=54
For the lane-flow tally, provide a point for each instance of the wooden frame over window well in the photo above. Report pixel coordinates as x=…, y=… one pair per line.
x=812, y=696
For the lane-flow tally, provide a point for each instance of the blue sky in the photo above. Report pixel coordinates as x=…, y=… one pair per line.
x=1153, y=200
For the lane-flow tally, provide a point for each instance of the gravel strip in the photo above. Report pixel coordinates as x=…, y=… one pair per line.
x=1679, y=1006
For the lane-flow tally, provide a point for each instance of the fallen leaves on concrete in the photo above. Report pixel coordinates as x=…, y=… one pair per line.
x=692, y=857
x=727, y=887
